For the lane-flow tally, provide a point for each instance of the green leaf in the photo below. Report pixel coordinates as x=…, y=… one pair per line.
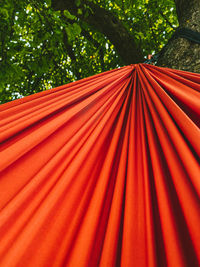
x=69, y=33
x=78, y=3
x=76, y=29
x=80, y=12
x=4, y=12
x=68, y=15
x=48, y=2
x=72, y=30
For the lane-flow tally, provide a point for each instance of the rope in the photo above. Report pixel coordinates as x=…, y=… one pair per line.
x=189, y=34
x=186, y=33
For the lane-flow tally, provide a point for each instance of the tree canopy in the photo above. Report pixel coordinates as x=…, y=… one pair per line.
x=41, y=47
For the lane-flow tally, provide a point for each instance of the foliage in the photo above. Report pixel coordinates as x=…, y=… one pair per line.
x=41, y=48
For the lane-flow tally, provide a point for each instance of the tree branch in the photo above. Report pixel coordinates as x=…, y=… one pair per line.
x=71, y=54
x=105, y=22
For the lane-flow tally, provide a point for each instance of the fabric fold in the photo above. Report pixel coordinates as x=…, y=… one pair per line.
x=103, y=172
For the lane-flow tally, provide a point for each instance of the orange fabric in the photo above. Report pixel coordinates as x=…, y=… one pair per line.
x=103, y=172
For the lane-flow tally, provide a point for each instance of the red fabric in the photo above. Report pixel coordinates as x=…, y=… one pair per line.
x=103, y=172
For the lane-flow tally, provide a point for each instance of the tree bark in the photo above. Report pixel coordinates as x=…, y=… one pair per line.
x=179, y=53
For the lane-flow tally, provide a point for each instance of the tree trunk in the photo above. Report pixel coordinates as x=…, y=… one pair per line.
x=179, y=53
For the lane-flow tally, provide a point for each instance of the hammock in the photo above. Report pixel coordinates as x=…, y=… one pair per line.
x=103, y=172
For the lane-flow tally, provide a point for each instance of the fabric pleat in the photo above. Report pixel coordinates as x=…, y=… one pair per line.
x=103, y=172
